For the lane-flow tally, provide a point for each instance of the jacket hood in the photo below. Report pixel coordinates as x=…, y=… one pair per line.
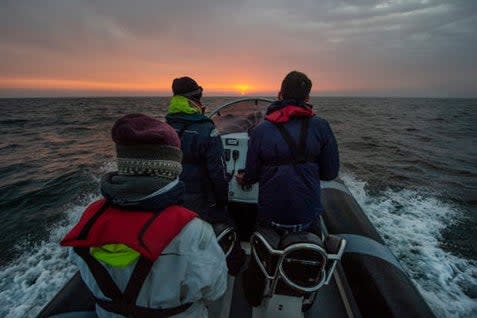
x=283, y=111
x=181, y=104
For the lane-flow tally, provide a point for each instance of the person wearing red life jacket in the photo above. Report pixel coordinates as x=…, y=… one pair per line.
x=288, y=154
x=138, y=250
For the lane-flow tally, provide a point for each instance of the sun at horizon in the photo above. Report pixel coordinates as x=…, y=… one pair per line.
x=242, y=89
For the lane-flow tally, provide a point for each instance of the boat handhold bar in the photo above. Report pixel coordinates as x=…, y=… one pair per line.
x=226, y=237
x=364, y=245
x=324, y=262
x=237, y=101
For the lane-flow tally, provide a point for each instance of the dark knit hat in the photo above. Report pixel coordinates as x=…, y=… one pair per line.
x=146, y=146
x=187, y=87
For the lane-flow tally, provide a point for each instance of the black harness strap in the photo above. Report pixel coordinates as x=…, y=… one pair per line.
x=298, y=152
x=125, y=303
x=138, y=276
x=302, y=145
x=100, y=274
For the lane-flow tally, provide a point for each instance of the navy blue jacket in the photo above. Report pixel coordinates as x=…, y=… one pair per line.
x=204, y=170
x=284, y=196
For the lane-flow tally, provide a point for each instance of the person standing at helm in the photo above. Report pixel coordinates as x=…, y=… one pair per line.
x=204, y=171
x=139, y=252
x=289, y=153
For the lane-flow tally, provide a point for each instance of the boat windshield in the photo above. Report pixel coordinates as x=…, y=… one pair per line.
x=240, y=115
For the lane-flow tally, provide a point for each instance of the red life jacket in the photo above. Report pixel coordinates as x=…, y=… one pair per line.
x=284, y=114
x=147, y=232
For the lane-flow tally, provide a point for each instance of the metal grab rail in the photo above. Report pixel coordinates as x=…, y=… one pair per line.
x=326, y=272
x=255, y=99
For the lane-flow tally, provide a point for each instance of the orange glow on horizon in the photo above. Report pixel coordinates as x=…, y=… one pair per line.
x=159, y=86
x=163, y=86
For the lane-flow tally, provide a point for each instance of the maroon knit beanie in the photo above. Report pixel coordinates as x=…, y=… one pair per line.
x=146, y=146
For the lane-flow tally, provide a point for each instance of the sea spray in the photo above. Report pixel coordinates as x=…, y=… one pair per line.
x=33, y=279
x=411, y=225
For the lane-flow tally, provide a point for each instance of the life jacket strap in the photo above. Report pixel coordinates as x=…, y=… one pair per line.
x=125, y=303
x=100, y=274
x=298, y=151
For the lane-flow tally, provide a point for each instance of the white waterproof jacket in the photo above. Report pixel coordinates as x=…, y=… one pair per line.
x=191, y=268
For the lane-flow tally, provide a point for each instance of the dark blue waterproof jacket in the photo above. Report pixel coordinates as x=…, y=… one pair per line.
x=289, y=193
x=204, y=170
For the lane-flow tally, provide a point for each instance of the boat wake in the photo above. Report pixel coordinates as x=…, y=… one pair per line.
x=30, y=281
x=411, y=225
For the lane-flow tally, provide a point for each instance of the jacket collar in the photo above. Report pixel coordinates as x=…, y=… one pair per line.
x=181, y=104
x=141, y=193
x=282, y=111
x=286, y=102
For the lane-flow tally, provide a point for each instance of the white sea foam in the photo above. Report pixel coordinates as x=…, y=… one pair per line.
x=411, y=225
x=32, y=280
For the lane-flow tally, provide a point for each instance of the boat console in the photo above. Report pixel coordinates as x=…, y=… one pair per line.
x=235, y=148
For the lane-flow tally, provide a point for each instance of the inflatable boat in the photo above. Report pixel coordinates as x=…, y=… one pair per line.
x=345, y=270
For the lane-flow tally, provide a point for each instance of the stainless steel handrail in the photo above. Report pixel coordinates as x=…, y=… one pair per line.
x=256, y=99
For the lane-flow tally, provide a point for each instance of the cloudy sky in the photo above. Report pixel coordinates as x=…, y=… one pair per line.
x=347, y=47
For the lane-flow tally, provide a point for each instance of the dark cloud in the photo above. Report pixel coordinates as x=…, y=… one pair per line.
x=404, y=47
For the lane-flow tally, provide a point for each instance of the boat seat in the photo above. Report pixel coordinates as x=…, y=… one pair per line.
x=300, y=237
x=302, y=266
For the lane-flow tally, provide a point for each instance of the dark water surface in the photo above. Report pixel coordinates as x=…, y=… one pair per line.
x=411, y=164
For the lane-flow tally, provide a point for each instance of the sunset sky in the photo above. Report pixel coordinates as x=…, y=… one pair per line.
x=232, y=47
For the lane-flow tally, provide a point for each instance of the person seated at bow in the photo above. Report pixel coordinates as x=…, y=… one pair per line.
x=138, y=250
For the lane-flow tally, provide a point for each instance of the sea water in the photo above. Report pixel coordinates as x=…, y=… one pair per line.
x=411, y=163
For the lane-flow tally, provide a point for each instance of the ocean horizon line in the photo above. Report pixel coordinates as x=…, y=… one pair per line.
x=237, y=96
